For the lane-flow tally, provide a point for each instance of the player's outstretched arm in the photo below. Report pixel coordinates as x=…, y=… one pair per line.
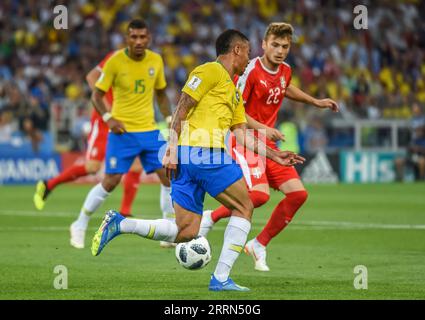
x=169, y=161
x=271, y=133
x=297, y=94
x=97, y=98
x=246, y=138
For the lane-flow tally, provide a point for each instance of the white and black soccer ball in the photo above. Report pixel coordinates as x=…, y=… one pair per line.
x=194, y=254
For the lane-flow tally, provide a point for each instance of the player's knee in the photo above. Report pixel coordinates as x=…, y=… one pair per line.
x=187, y=234
x=166, y=183
x=111, y=181
x=259, y=198
x=93, y=167
x=246, y=209
x=298, y=197
x=188, y=229
x=163, y=177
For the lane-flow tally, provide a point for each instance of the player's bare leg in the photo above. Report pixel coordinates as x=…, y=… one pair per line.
x=259, y=195
x=187, y=222
x=131, y=182
x=237, y=199
x=166, y=204
x=93, y=166
x=295, y=196
x=93, y=201
x=184, y=229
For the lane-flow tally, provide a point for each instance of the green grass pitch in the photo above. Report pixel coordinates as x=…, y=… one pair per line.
x=341, y=226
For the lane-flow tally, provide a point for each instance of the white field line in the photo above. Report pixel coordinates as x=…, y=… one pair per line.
x=301, y=225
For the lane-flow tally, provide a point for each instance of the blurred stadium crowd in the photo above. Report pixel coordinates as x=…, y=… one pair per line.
x=378, y=73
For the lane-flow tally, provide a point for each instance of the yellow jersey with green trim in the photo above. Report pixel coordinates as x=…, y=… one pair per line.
x=219, y=107
x=133, y=83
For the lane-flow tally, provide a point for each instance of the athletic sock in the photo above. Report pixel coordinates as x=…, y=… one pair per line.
x=69, y=174
x=166, y=203
x=131, y=185
x=258, y=198
x=93, y=201
x=234, y=240
x=282, y=215
x=160, y=229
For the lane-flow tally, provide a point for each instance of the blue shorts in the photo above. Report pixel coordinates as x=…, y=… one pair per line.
x=122, y=149
x=202, y=170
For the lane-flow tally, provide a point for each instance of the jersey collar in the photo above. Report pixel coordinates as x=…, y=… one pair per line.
x=267, y=69
x=128, y=55
x=228, y=75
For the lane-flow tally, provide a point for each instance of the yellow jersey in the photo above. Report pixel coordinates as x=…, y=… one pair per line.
x=133, y=84
x=219, y=107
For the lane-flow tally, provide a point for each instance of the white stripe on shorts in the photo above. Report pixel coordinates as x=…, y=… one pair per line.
x=245, y=168
x=93, y=136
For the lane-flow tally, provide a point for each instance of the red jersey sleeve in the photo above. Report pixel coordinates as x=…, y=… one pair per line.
x=289, y=75
x=109, y=95
x=102, y=63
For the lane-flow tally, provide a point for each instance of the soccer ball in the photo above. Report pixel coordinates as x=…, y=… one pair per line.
x=194, y=254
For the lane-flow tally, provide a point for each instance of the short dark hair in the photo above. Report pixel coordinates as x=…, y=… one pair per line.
x=225, y=40
x=137, y=24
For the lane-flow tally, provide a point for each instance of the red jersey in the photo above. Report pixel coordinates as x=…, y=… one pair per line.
x=109, y=97
x=263, y=90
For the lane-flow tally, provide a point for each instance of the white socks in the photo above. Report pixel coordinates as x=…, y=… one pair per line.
x=234, y=240
x=160, y=229
x=98, y=195
x=166, y=204
x=93, y=201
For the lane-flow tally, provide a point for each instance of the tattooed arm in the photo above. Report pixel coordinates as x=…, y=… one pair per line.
x=169, y=161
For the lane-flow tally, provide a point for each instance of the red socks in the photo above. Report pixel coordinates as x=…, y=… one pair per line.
x=69, y=174
x=131, y=184
x=282, y=215
x=258, y=198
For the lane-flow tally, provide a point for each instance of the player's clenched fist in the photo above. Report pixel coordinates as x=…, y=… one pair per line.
x=169, y=162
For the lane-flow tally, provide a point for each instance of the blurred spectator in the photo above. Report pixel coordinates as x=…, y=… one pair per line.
x=6, y=126
x=372, y=73
x=80, y=129
x=418, y=119
x=315, y=138
x=415, y=153
x=32, y=133
x=415, y=157
x=32, y=120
